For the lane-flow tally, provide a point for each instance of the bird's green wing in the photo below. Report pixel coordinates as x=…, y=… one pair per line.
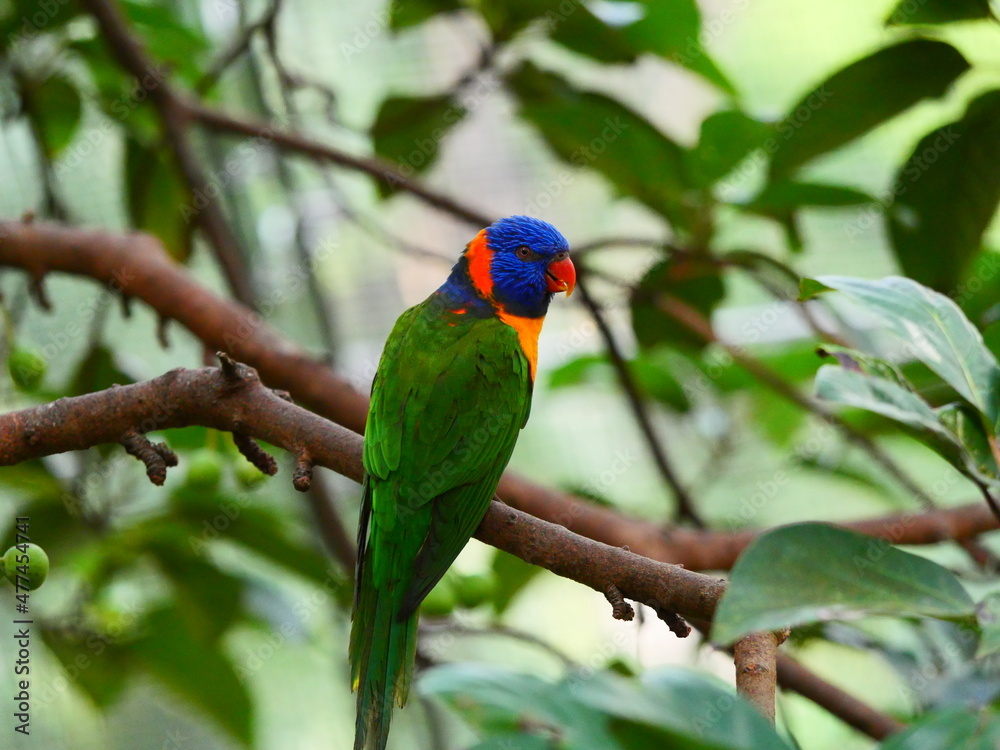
x=446, y=408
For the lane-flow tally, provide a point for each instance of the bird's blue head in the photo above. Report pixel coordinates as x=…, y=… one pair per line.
x=519, y=263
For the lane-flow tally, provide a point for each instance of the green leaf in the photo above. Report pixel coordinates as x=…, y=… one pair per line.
x=781, y=200
x=176, y=46
x=409, y=130
x=896, y=402
x=591, y=130
x=158, y=199
x=672, y=30
x=783, y=197
x=949, y=730
x=693, y=281
x=962, y=421
x=810, y=288
x=414, y=12
x=938, y=11
x=727, y=138
x=946, y=195
x=512, y=574
x=811, y=572
x=54, y=104
x=581, y=31
x=860, y=97
x=935, y=332
x=198, y=671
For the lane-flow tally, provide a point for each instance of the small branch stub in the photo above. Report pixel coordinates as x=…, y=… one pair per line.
x=620, y=609
x=254, y=453
x=39, y=292
x=230, y=367
x=677, y=624
x=156, y=456
x=162, y=338
x=302, y=478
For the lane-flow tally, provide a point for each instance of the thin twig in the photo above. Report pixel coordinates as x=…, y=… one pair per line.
x=685, y=504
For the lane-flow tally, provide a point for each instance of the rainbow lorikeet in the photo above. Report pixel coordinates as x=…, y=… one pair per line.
x=452, y=391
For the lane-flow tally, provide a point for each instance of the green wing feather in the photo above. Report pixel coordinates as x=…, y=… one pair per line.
x=448, y=401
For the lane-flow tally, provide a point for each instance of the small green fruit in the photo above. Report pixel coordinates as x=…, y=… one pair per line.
x=440, y=602
x=204, y=470
x=472, y=590
x=248, y=475
x=30, y=562
x=27, y=369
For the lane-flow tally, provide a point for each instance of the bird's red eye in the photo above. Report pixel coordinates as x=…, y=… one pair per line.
x=523, y=252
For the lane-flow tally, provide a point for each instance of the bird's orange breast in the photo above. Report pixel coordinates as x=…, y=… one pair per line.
x=527, y=335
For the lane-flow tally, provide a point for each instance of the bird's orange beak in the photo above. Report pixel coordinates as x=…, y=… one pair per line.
x=561, y=276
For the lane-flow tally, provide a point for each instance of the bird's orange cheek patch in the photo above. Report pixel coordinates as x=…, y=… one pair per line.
x=479, y=255
x=527, y=335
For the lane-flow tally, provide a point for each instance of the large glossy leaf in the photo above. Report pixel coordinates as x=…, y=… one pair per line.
x=591, y=130
x=949, y=730
x=938, y=11
x=408, y=130
x=695, y=282
x=861, y=96
x=811, y=572
x=933, y=329
x=946, y=195
x=197, y=671
x=158, y=199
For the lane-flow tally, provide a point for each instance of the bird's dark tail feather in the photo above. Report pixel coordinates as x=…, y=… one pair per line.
x=382, y=653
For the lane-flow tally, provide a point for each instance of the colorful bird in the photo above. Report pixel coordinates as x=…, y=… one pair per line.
x=452, y=391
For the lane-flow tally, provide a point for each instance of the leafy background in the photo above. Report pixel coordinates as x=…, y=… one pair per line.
x=729, y=147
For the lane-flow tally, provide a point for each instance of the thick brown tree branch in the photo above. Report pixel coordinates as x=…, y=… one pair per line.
x=232, y=398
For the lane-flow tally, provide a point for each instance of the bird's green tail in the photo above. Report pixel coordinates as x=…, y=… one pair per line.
x=382, y=653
